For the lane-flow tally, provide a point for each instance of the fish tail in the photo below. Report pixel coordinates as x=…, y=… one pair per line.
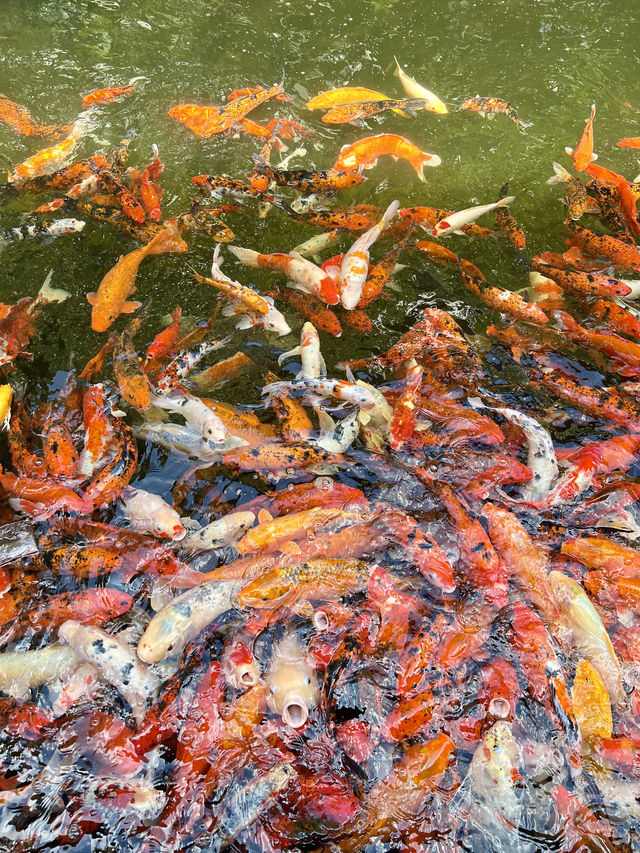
x=560, y=176
x=503, y=191
x=167, y=240
x=506, y=201
x=51, y=294
x=398, y=71
x=135, y=80
x=245, y=256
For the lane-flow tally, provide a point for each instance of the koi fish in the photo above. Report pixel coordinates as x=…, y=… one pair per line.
x=583, y=154
x=427, y=217
x=346, y=95
x=312, y=363
x=23, y=671
x=577, y=197
x=17, y=324
x=291, y=681
x=454, y=222
x=629, y=142
x=587, y=633
x=19, y=119
x=178, y=623
x=624, y=355
x=364, y=153
x=6, y=395
x=115, y=476
x=355, y=264
x=149, y=513
x=505, y=301
x=115, y=660
x=414, y=90
x=207, y=121
x=308, y=277
x=111, y=298
x=318, y=182
x=232, y=289
x=584, y=283
x=348, y=113
x=133, y=382
x=314, y=310
x=50, y=159
x=604, y=245
x=541, y=458
x=41, y=231
x=492, y=105
x=150, y=192
x=105, y=96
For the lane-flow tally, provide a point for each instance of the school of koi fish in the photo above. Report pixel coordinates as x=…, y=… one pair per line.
x=392, y=608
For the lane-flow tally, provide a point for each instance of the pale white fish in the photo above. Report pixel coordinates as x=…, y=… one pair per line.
x=455, y=222
x=22, y=671
x=313, y=365
x=284, y=162
x=116, y=661
x=493, y=770
x=220, y=532
x=414, y=90
x=182, y=439
x=355, y=264
x=585, y=632
x=292, y=685
x=541, y=455
x=312, y=247
x=196, y=414
x=149, y=513
x=180, y=621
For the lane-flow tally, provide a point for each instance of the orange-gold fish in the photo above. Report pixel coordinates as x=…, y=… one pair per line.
x=19, y=119
x=111, y=298
x=492, y=105
x=105, y=96
x=364, y=153
x=583, y=154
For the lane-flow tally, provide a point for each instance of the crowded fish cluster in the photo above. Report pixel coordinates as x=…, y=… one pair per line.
x=390, y=605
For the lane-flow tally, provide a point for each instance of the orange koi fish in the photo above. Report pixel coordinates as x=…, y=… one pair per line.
x=133, y=382
x=629, y=142
x=80, y=561
x=404, y=421
x=605, y=555
x=49, y=159
x=492, y=105
x=218, y=374
x=111, y=481
x=278, y=459
x=319, y=181
x=19, y=119
x=273, y=531
x=317, y=579
x=39, y=498
x=89, y=606
x=615, y=318
x=525, y=562
x=505, y=301
x=295, y=424
x=122, y=195
x=206, y=121
x=18, y=323
x=583, y=154
x=165, y=341
x=60, y=455
x=480, y=561
x=111, y=298
x=322, y=317
x=249, y=298
x=364, y=153
x=624, y=355
x=584, y=283
x=605, y=246
x=105, y=96
x=150, y=192
x=606, y=402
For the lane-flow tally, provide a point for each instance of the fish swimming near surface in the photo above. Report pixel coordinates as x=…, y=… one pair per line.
x=493, y=105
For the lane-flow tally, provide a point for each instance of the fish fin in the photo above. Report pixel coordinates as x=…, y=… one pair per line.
x=92, y=298
x=245, y=322
x=296, y=255
x=130, y=307
x=303, y=609
x=51, y=294
x=364, y=417
x=290, y=548
x=569, y=150
x=560, y=176
x=288, y=354
x=264, y=516
x=459, y=232
x=506, y=200
x=594, y=157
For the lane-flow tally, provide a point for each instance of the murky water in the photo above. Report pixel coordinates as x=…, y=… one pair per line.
x=551, y=61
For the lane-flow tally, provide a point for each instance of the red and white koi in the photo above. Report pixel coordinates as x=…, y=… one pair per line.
x=355, y=264
x=453, y=223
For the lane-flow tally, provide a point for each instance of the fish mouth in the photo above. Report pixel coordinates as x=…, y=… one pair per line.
x=295, y=712
x=321, y=621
